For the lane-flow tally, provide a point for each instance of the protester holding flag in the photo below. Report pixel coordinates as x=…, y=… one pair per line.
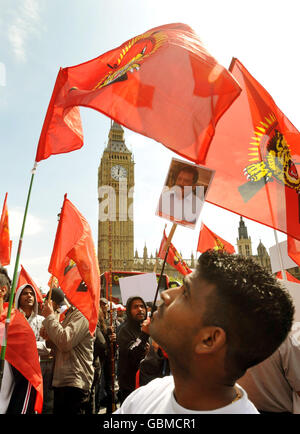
x=21, y=386
x=228, y=315
x=24, y=277
x=26, y=303
x=73, y=370
x=59, y=304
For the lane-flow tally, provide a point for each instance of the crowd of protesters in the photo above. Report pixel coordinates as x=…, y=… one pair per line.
x=220, y=343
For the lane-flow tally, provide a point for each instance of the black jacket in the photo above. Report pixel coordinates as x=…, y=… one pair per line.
x=132, y=348
x=154, y=365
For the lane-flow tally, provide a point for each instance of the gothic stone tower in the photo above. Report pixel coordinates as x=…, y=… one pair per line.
x=115, y=195
x=244, y=242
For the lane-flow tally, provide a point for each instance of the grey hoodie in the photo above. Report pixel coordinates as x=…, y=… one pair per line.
x=34, y=320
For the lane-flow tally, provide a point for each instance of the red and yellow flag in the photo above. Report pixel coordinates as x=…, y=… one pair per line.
x=174, y=258
x=25, y=278
x=5, y=243
x=289, y=276
x=209, y=240
x=21, y=352
x=254, y=151
x=162, y=84
x=74, y=263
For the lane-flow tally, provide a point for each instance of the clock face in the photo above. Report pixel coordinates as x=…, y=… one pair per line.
x=118, y=172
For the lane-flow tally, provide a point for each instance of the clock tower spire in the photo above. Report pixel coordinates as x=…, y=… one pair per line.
x=115, y=195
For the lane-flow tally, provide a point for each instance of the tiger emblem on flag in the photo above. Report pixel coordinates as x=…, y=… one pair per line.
x=275, y=163
x=131, y=56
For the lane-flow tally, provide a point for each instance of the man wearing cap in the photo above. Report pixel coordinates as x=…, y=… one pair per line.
x=133, y=345
x=73, y=368
x=47, y=361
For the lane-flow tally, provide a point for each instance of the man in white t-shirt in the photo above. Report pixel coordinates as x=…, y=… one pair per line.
x=183, y=201
x=228, y=315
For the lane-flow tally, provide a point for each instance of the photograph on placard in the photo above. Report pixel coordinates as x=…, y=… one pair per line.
x=184, y=192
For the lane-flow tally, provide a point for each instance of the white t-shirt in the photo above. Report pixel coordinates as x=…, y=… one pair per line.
x=183, y=210
x=157, y=397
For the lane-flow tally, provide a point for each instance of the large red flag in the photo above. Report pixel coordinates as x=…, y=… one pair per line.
x=74, y=263
x=174, y=258
x=209, y=240
x=25, y=278
x=5, y=243
x=289, y=276
x=252, y=152
x=21, y=352
x=162, y=84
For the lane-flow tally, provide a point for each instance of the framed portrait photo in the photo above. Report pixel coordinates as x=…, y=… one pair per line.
x=184, y=192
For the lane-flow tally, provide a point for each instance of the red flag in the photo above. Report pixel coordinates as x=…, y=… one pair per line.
x=74, y=263
x=252, y=152
x=174, y=258
x=293, y=248
x=21, y=352
x=53, y=282
x=5, y=243
x=289, y=276
x=209, y=240
x=25, y=278
x=162, y=84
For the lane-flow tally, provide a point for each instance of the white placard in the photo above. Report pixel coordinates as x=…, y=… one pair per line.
x=141, y=285
x=275, y=260
x=294, y=290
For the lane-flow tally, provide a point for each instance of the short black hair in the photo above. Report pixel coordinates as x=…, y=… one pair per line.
x=249, y=304
x=189, y=169
x=5, y=281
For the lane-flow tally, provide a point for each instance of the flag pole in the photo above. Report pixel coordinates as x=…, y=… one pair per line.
x=14, y=281
x=112, y=353
x=169, y=239
x=280, y=257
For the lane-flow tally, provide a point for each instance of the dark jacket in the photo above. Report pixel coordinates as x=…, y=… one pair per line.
x=132, y=349
x=154, y=365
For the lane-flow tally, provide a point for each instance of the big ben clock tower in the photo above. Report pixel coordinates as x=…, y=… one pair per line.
x=115, y=195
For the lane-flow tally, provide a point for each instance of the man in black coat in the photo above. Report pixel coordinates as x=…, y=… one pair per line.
x=133, y=345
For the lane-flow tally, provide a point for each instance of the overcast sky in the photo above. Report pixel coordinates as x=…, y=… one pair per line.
x=40, y=36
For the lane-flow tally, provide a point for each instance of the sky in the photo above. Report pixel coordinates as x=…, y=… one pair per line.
x=40, y=36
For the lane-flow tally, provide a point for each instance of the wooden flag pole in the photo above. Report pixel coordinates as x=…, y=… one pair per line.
x=169, y=239
x=51, y=287
x=14, y=281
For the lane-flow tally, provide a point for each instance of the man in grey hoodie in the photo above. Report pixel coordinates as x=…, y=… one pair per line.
x=26, y=303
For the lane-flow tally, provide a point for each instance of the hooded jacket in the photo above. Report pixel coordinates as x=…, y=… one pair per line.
x=132, y=348
x=34, y=320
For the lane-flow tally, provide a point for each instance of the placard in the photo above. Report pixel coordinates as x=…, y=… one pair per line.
x=141, y=285
x=275, y=260
x=184, y=192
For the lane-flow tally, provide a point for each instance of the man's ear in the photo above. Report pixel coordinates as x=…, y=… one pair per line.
x=210, y=339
